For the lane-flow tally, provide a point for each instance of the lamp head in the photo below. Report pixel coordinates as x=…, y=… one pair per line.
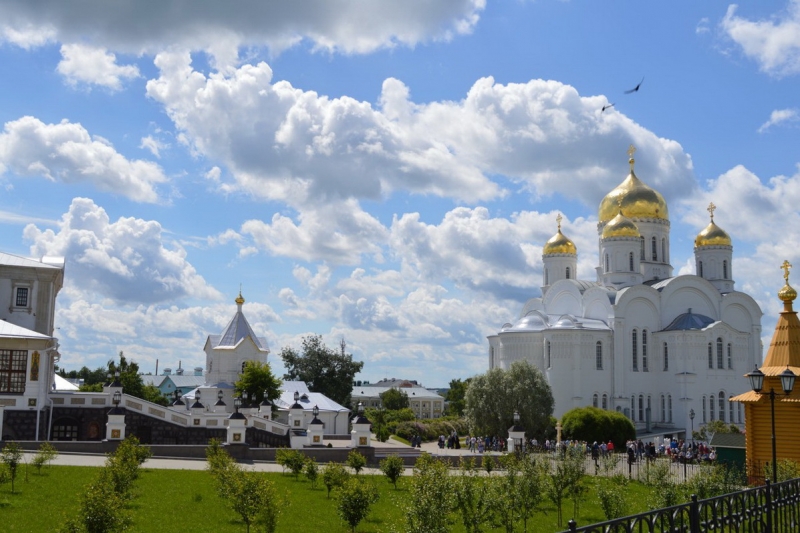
x=220, y=394
x=787, y=380
x=315, y=411
x=756, y=378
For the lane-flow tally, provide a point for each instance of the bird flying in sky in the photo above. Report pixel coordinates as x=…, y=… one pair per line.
x=635, y=89
x=606, y=107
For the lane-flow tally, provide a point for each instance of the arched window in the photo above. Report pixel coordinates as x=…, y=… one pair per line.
x=730, y=409
x=641, y=407
x=725, y=269
x=598, y=355
x=711, y=399
x=547, y=352
x=210, y=365
x=669, y=407
x=663, y=250
x=663, y=409
x=633, y=408
x=649, y=406
x=655, y=248
x=710, y=356
x=719, y=353
x=634, y=348
x=546, y=277
x=594, y=400
x=722, y=406
x=607, y=269
x=739, y=417
x=605, y=401
x=644, y=350
x=666, y=357
x=641, y=246
x=630, y=261
x=704, y=410
x=243, y=365
x=700, y=269
x=568, y=273
x=730, y=356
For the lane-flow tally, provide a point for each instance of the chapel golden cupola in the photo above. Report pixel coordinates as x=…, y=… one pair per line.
x=635, y=198
x=620, y=226
x=559, y=243
x=713, y=254
x=712, y=235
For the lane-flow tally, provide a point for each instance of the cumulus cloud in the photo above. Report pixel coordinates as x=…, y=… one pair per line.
x=283, y=143
x=83, y=64
x=348, y=26
x=66, y=152
x=125, y=261
x=780, y=116
x=774, y=44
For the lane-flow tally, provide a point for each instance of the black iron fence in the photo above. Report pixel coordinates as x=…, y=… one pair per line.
x=770, y=508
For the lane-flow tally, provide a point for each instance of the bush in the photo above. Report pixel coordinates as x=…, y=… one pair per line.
x=592, y=424
x=392, y=467
x=612, y=499
x=354, y=500
x=44, y=456
x=311, y=470
x=430, y=429
x=102, y=508
x=356, y=461
x=335, y=475
x=11, y=455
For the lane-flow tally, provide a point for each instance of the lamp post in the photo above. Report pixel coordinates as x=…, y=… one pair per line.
x=237, y=403
x=315, y=412
x=177, y=396
x=691, y=418
x=117, y=398
x=756, y=378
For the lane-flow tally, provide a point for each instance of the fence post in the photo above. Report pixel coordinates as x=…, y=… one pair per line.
x=694, y=515
x=573, y=526
x=769, y=506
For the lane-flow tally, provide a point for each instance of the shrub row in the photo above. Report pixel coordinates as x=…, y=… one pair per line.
x=431, y=429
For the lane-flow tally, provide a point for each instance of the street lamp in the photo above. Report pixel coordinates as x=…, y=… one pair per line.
x=315, y=412
x=691, y=418
x=237, y=403
x=756, y=378
x=117, y=398
x=177, y=396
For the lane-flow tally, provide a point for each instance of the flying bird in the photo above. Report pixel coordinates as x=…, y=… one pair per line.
x=606, y=107
x=635, y=89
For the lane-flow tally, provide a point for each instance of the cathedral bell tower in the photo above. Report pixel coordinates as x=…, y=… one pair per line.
x=559, y=259
x=713, y=254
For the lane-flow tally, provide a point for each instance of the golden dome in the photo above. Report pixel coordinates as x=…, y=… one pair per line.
x=787, y=294
x=620, y=226
x=634, y=197
x=239, y=299
x=712, y=235
x=558, y=243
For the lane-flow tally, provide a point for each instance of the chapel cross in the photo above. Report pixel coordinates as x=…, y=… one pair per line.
x=631, y=151
x=786, y=266
x=711, y=208
x=559, y=219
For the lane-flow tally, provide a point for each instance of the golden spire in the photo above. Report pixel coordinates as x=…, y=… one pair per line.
x=240, y=299
x=631, y=151
x=787, y=294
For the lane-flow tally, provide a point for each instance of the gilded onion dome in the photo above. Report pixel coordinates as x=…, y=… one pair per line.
x=712, y=235
x=634, y=197
x=558, y=243
x=787, y=294
x=620, y=226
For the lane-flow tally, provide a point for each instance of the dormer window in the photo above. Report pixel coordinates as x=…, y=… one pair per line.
x=22, y=296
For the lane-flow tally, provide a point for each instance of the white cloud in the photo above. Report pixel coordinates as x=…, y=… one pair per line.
x=82, y=64
x=302, y=148
x=348, y=26
x=774, y=43
x=153, y=145
x=66, y=152
x=125, y=260
x=27, y=35
x=780, y=116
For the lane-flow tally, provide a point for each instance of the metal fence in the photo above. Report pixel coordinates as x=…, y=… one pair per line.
x=771, y=508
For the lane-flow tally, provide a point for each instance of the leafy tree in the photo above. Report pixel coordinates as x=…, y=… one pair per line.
x=530, y=487
x=473, y=497
x=430, y=497
x=455, y=397
x=568, y=471
x=356, y=461
x=102, y=509
x=44, y=456
x=311, y=470
x=612, y=498
x=323, y=369
x=394, y=399
x=354, y=500
x=258, y=380
x=591, y=424
x=153, y=394
x=379, y=424
x=707, y=431
x=334, y=475
x=493, y=397
x=89, y=377
x=392, y=467
x=11, y=457
x=128, y=375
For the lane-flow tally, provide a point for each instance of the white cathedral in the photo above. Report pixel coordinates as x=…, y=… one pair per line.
x=667, y=351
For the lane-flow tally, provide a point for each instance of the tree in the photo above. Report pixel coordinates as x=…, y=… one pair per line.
x=430, y=497
x=323, y=369
x=11, y=456
x=473, y=496
x=45, y=454
x=257, y=381
x=455, y=397
x=392, y=467
x=132, y=383
x=311, y=470
x=707, y=431
x=591, y=424
x=394, y=399
x=492, y=398
x=355, y=498
x=334, y=475
x=356, y=461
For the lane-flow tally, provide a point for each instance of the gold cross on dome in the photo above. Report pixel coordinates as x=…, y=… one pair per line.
x=631, y=150
x=559, y=219
x=711, y=207
x=786, y=266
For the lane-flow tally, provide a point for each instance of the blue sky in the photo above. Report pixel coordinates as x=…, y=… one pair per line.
x=383, y=172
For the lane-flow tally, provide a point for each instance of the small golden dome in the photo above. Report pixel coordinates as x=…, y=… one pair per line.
x=620, y=226
x=787, y=294
x=558, y=243
x=712, y=235
x=634, y=197
x=239, y=299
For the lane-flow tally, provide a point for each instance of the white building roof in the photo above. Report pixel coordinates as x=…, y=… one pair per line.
x=9, y=330
x=56, y=263
x=414, y=393
x=62, y=384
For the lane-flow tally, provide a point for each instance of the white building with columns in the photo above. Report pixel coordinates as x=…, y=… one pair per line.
x=638, y=339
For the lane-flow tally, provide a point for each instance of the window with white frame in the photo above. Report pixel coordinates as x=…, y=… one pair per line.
x=13, y=366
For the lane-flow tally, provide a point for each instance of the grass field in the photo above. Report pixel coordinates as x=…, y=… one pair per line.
x=187, y=500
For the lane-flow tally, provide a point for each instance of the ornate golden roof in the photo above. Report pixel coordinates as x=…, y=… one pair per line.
x=712, y=235
x=239, y=299
x=558, y=243
x=620, y=226
x=634, y=197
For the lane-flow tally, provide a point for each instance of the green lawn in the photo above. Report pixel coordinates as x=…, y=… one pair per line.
x=166, y=499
